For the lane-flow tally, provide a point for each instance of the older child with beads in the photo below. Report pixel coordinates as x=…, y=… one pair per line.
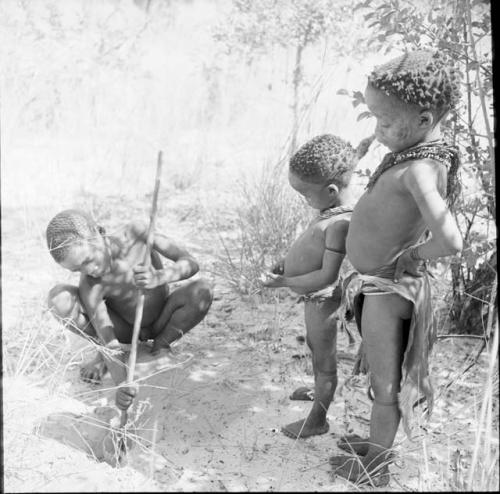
x=320, y=171
x=102, y=307
x=387, y=244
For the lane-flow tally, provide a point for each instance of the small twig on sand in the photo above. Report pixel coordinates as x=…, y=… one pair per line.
x=444, y=336
x=316, y=465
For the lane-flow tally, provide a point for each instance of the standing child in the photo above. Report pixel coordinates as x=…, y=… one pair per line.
x=320, y=171
x=409, y=97
x=102, y=307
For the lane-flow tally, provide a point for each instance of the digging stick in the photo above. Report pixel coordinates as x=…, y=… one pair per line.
x=140, y=292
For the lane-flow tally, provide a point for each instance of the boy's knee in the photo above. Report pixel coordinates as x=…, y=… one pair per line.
x=384, y=391
x=62, y=299
x=202, y=294
x=326, y=363
x=328, y=372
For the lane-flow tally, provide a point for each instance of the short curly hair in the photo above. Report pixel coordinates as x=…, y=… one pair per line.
x=67, y=227
x=325, y=159
x=422, y=77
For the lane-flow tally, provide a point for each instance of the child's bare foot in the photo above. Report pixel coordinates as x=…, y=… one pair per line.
x=361, y=471
x=305, y=428
x=358, y=445
x=159, y=347
x=93, y=371
x=354, y=444
x=303, y=393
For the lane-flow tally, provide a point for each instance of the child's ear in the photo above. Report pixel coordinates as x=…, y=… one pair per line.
x=333, y=189
x=426, y=119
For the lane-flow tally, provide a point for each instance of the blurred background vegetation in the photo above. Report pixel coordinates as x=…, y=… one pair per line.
x=92, y=89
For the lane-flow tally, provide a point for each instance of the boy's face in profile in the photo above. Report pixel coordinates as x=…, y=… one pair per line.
x=88, y=256
x=397, y=123
x=317, y=196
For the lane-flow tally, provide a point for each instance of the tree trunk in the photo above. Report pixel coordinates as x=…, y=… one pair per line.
x=297, y=78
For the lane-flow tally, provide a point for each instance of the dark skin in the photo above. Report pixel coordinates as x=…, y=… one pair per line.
x=112, y=270
x=307, y=267
x=386, y=223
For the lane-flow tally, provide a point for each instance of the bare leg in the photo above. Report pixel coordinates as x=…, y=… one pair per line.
x=184, y=309
x=359, y=445
x=65, y=304
x=382, y=325
x=322, y=340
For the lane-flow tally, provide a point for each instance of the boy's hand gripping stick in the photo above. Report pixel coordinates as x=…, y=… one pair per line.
x=115, y=444
x=140, y=292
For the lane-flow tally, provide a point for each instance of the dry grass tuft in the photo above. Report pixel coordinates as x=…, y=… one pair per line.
x=268, y=217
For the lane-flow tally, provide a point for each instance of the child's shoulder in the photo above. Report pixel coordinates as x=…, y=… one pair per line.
x=129, y=234
x=423, y=172
x=88, y=285
x=335, y=233
x=136, y=229
x=339, y=224
x=433, y=157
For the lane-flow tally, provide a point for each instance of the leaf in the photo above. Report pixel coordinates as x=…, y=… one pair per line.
x=361, y=5
x=358, y=95
x=358, y=98
x=343, y=92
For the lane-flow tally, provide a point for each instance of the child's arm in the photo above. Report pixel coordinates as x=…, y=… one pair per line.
x=91, y=295
x=421, y=179
x=93, y=302
x=184, y=265
x=335, y=236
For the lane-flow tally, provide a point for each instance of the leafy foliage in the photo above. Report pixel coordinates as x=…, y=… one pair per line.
x=253, y=28
x=268, y=218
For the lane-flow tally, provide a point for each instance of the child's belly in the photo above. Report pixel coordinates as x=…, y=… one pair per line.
x=379, y=231
x=305, y=254
x=124, y=304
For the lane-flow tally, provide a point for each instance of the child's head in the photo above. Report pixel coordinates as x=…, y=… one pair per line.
x=75, y=242
x=409, y=96
x=321, y=169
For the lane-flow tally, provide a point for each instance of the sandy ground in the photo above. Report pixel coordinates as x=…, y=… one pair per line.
x=216, y=418
x=212, y=421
